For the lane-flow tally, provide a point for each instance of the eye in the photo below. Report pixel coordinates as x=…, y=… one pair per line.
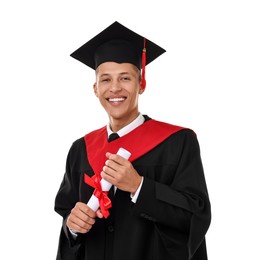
x=126, y=78
x=105, y=80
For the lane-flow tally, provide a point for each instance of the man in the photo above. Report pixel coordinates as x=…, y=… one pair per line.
x=159, y=206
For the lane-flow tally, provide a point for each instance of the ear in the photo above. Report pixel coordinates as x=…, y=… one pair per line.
x=95, y=89
x=141, y=90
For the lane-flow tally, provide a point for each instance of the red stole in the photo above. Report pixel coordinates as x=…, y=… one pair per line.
x=138, y=142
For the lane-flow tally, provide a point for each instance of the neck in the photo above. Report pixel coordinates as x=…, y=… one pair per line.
x=117, y=124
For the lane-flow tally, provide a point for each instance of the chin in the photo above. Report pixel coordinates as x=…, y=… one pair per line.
x=117, y=115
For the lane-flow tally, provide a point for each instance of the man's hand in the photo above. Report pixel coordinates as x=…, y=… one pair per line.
x=82, y=218
x=121, y=173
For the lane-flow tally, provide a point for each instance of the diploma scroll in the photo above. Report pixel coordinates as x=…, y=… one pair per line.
x=93, y=202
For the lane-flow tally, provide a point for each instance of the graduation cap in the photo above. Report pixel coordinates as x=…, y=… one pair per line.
x=119, y=44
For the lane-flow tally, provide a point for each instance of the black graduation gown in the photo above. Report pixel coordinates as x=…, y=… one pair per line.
x=169, y=219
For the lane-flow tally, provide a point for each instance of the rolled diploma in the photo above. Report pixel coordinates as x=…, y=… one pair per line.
x=93, y=202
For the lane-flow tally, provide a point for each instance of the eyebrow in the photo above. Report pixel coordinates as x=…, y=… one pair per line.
x=121, y=73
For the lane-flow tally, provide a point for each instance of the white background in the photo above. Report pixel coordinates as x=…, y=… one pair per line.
x=203, y=81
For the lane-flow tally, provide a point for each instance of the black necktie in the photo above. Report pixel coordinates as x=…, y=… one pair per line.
x=113, y=136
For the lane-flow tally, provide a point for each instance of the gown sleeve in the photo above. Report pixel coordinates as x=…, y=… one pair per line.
x=65, y=200
x=183, y=204
x=67, y=194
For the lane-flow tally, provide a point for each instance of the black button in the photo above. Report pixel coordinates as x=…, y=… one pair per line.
x=110, y=228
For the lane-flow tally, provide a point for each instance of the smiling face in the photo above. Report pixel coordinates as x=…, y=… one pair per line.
x=118, y=87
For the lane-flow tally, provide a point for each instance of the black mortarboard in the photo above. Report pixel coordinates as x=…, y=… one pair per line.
x=118, y=44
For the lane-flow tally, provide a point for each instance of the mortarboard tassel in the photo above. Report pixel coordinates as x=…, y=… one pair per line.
x=143, y=80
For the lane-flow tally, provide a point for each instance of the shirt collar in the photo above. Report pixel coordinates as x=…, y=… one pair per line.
x=139, y=120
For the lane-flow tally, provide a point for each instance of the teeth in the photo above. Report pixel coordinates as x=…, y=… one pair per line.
x=116, y=99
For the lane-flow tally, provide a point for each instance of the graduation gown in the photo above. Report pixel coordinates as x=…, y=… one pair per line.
x=169, y=219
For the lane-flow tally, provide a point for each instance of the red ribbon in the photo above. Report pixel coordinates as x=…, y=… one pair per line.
x=104, y=201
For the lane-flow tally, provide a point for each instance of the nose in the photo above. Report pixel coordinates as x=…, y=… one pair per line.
x=115, y=86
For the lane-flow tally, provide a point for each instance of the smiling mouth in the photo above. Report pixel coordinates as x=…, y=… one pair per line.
x=121, y=99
